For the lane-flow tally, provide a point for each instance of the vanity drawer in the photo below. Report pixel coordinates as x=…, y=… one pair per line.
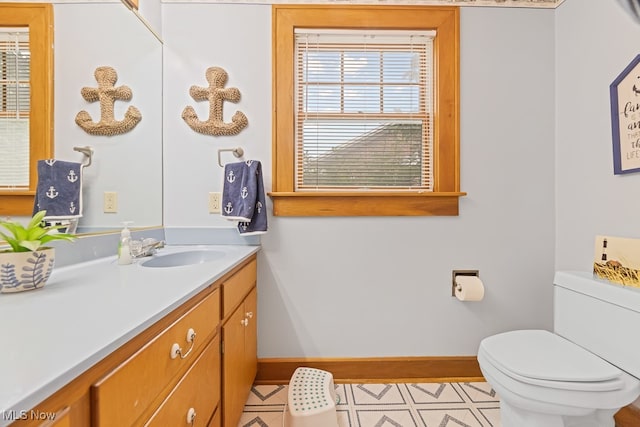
x=238, y=286
x=124, y=394
x=196, y=395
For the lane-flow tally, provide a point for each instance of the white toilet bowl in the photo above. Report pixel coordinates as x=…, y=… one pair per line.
x=544, y=380
x=578, y=376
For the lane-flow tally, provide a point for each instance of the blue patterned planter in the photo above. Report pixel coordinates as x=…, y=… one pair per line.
x=24, y=271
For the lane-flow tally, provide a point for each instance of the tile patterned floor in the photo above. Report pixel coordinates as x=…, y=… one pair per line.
x=389, y=405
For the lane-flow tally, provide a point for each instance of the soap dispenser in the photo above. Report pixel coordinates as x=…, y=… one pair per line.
x=124, y=248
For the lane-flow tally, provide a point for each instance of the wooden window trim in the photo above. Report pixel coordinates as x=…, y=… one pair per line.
x=39, y=18
x=443, y=200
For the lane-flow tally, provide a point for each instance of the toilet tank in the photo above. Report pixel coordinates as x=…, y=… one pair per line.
x=600, y=316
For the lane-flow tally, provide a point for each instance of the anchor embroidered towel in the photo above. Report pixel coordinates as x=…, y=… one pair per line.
x=59, y=189
x=243, y=197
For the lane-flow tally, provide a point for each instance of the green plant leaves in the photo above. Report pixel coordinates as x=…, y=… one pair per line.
x=34, y=236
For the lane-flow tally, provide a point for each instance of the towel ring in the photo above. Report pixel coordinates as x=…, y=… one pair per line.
x=87, y=151
x=238, y=152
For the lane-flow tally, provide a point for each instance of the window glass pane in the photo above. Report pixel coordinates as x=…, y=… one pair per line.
x=321, y=66
x=15, y=93
x=401, y=99
x=14, y=152
x=322, y=98
x=362, y=99
x=401, y=67
x=361, y=66
x=356, y=154
x=362, y=120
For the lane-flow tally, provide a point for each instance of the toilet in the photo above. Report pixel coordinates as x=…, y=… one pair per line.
x=581, y=374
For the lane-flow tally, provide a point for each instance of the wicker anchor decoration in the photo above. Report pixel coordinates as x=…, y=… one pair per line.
x=216, y=94
x=107, y=94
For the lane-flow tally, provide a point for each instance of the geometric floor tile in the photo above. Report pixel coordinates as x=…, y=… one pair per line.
x=374, y=394
x=434, y=393
x=392, y=417
x=479, y=392
x=491, y=416
x=463, y=417
x=388, y=405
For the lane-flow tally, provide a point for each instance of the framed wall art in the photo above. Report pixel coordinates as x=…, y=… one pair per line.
x=617, y=260
x=625, y=119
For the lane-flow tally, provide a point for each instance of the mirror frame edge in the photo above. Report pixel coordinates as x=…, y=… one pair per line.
x=39, y=18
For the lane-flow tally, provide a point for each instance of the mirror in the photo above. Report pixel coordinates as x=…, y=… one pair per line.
x=127, y=165
x=88, y=36
x=149, y=12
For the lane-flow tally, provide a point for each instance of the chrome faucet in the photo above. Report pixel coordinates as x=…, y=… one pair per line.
x=145, y=247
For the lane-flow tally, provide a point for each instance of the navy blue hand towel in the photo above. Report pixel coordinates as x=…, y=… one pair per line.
x=59, y=189
x=243, y=197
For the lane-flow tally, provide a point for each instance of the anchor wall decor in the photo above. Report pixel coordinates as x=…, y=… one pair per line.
x=107, y=94
x=216, y=94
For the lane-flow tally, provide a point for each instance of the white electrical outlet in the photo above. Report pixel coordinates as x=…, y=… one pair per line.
x=110, y=202
x=214, y=202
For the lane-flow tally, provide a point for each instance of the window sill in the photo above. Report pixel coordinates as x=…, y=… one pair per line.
x=365, y=204
x=16, y=202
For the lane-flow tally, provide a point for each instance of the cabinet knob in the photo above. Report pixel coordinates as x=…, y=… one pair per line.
x=244, y=322
x=176, y=350
x=249, y=314
x=191, y=416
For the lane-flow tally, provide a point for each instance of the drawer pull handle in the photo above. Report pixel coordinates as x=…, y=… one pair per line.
x=176, y=350
x=249, y=314
x=191, y=416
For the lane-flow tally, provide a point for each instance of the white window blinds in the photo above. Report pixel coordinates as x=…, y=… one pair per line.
x=364, y=110
x=14, y=107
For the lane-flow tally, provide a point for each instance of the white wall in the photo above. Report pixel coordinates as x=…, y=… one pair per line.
x=595, y=41
x=352, y=287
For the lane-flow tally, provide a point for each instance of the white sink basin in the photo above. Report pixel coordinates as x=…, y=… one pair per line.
x=178, y=259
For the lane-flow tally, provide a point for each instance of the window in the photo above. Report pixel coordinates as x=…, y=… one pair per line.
x=366, y=111
x=363, y=112
x=26, y=101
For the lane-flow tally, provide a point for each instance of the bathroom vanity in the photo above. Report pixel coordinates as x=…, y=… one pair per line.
x=133, y=345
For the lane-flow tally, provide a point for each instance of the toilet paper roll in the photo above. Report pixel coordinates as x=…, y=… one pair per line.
x=469, y=288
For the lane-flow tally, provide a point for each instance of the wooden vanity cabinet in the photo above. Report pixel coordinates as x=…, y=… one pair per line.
x=140, y=384
x=239, y=334
x=129, y=392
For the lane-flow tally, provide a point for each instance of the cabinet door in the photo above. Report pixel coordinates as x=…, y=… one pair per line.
x=233, y=395
x=61, y=419
x=251, y=339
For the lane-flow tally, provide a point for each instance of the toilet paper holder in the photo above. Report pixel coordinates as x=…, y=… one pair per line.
x=455, y=273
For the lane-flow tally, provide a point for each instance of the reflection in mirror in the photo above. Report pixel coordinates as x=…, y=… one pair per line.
x=14, y=101
x=127, y=164
x=26, y=67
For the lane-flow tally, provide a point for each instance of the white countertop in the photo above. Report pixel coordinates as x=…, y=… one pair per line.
x=86, y=311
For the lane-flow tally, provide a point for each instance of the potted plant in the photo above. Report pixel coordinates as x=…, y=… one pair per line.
x=27, y=263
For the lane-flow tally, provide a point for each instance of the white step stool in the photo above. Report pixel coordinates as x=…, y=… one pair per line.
x=311, y=399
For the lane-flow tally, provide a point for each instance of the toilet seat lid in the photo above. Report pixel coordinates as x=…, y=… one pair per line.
x=541, y=355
